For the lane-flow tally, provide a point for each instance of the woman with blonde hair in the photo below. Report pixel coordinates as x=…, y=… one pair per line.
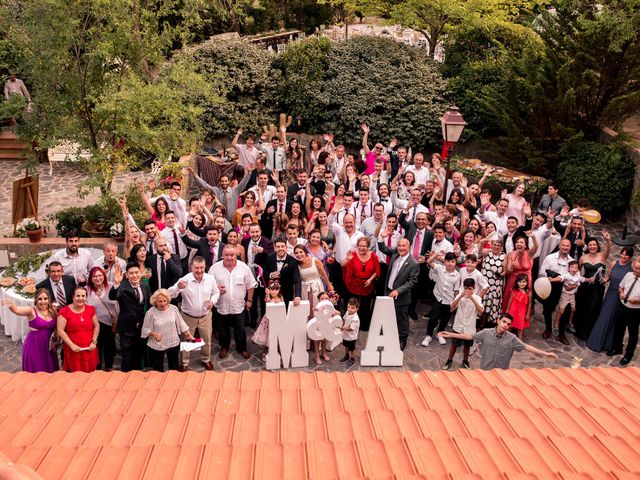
x=163, y=325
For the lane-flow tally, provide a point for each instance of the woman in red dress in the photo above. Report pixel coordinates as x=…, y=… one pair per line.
x=78, y=327
x=517, y=262
x=359, y=271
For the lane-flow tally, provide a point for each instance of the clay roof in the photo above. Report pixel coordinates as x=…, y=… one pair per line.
x=507, y=424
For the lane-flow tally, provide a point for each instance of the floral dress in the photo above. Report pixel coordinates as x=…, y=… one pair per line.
x=492, y=268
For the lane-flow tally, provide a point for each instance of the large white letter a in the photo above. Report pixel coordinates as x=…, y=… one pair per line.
x=383, y=335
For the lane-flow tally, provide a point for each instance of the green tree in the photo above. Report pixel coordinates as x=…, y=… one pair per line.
x=95, y=66
x=335, y=87
x=583, y=76
x=241, y=73
x=435, y=19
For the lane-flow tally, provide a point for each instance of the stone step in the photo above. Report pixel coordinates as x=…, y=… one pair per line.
x=10, y=145
x=11, y=156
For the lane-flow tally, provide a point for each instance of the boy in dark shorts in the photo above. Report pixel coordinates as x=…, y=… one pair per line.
x=467, y=306
x=349, y=328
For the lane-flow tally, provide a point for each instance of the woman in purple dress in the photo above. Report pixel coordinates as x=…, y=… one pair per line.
x=36, y=355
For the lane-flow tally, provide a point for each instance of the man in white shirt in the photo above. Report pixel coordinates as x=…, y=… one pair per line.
x=247, y=153
x=109, y=260
x=276, y=156
x=412, y=206
x=364, y=206
x=628, y=315
x=264, y=192
x=294, y=239
x=199, y=294
x=498, y=217
x=76, y=261
x=371, y=226
x=440, y=245
x=420, y=171
x=339, y=212
x=171, y=233
x=447, y=286
x=236, y=282
x=382, y=195
x=554, y=265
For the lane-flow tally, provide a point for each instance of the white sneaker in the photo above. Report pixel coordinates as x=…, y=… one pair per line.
x=427, y=341
x=442, y=340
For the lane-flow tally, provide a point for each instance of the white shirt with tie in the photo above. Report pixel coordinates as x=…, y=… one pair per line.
x=395, y=268
x=339, y=217
x=391, y=241
x=172, y=236
x=630, y=285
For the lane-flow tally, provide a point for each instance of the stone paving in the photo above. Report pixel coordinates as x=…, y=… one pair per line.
x=416, y=357
x=60, y=190
x=57, y=191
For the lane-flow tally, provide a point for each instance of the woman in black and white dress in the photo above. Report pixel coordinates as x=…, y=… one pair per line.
x=493, y=270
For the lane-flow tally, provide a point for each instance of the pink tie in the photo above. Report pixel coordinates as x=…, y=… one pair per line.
x=417, y=245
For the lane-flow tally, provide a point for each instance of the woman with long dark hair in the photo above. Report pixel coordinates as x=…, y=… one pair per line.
x=107, y=314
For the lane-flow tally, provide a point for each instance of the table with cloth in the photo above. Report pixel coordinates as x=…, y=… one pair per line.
x=15, y=326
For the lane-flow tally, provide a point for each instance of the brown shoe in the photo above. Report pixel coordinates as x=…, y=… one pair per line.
x=183, y=368
x=246, y=354
x=564, y=340
x=546, y=334
x=223, y=353
x=207, y=365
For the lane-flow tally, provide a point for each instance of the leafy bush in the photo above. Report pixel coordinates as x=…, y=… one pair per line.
x=248, y=88
x=69, y=219
x=600, y=173
x=335, y=87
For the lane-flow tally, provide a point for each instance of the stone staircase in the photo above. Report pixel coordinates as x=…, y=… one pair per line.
x=10, y=147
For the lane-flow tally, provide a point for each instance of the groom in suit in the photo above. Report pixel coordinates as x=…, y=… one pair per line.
x=60, y=286
x=285, y=269
x=402, y=276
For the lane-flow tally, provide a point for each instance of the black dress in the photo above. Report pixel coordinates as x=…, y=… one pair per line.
x=589, y=300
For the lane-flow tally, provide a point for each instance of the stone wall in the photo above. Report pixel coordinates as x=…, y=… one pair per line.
x=14, y=248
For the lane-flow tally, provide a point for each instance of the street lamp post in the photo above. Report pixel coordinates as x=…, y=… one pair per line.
x=452, y=127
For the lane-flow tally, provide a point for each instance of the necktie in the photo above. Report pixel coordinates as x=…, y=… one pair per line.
x=275, y=166
x=137, y=293
x=389, y=245
x=163, y=273
x=417, y=244
x=176, y=243
x=212, y=252
x=224, y=198
x=280, y=208
x=62, y=300
x=362, y=212
x=150, y=247
x=626, y=297
x=415, y=212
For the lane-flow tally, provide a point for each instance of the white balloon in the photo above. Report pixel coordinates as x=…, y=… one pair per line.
x=542, y=287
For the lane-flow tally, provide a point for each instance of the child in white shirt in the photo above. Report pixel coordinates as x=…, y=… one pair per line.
x=570, y=283
x=350, y=327
x=467, y=306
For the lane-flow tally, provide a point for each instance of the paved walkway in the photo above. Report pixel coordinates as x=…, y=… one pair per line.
x=416, y=357
x=57, y=191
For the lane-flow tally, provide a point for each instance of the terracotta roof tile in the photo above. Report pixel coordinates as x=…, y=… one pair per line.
x=513, y=424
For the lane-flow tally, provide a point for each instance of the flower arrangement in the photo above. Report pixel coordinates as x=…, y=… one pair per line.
x=165, y=183
x=116, y=230
x=29, y=224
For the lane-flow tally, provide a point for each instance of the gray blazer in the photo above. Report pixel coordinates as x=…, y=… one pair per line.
x=406, y=279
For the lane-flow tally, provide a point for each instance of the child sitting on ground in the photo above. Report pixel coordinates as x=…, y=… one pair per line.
x=467, y=306
x=350, y=327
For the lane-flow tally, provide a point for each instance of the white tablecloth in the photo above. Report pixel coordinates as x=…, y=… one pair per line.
x=17, y=327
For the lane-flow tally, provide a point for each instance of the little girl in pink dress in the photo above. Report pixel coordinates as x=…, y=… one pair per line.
x=261, y=335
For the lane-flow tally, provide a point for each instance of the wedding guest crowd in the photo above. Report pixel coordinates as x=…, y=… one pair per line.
x=313, y=222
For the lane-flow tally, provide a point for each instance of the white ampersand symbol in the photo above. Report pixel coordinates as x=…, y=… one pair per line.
x=325, y=325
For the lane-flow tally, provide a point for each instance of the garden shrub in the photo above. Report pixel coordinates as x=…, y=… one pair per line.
x=600, y=173
x=334, y=87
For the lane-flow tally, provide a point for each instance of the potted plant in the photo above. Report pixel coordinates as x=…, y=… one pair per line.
x=32, y=228
x=100, y=217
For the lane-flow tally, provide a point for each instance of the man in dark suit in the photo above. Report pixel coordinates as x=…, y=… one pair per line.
x=403, y=275
x=421, y=240
x=133, y=299
x=260, y=167
x=60, y=286
x=257, y=248
x=210, y=247
x=285, y=269
x=165, y=267
x=296, y=191
x=276, y=205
